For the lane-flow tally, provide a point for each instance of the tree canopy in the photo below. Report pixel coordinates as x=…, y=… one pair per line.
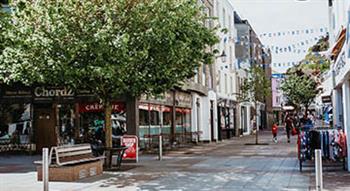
x=110, y=47
x=313, y=62
x=300, y=90
x=256, y=87
x=113, y=47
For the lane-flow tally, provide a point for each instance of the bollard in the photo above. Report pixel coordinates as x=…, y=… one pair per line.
x=160, y=157
x=318, y=169
x=160, y=154
x=45, y=166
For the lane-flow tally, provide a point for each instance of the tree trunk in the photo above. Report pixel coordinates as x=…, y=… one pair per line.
x=108, y=124
x=306, y=110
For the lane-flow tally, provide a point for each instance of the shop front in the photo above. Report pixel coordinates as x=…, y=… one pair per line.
x=168, y=115
x=42, y=116
x=226, y=120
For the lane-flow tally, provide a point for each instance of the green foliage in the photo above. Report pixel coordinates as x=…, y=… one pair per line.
x=256, y=87
x=300, y=90
x=4, y=25
x=314, y=63
x=321, y=45
x=112, y=47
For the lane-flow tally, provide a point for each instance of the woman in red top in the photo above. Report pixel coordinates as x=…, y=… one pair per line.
x=274, y=132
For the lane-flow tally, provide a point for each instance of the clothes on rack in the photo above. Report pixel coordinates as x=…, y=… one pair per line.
x=331, y=142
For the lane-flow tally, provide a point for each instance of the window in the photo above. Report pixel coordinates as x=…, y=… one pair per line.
x=239, y=84
x=223, y=17
x=226, y=84
x=4, y=2
x=230, y=58
x=196, y=78
x=232, y=83
x=217, y=7
x=219, y=81
x=204, y=75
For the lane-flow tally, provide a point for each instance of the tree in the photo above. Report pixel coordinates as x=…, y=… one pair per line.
x=314, y=63
x=300, y=90
x=111, y=47
x=255, y=89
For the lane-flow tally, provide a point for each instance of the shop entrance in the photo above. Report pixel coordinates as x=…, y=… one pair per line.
x=44, y=127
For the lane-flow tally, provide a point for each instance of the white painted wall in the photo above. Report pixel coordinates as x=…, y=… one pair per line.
x=203, y=115
x=346, y=108
x=226, y=77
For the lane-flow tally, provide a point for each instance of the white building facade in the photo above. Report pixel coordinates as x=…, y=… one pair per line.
x=340, y=69
x=225, y=70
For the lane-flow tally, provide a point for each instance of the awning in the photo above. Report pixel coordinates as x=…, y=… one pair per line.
x=337, y=47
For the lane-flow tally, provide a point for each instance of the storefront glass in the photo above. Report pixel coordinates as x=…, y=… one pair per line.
x=92, y=122
x=66, y=124
x=15, y=124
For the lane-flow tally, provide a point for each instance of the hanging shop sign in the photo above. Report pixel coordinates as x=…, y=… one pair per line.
x=97, y=107
x=183, y=99
x=131, y=153
x=164, y=99
x=326, y=99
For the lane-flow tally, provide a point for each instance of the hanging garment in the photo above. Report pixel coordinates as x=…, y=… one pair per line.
x=342, y=143
x=331, y=145
x=327, y=144
x=315, y=142
x=322, y=144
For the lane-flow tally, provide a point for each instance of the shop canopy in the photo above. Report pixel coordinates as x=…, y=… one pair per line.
x=337, y=47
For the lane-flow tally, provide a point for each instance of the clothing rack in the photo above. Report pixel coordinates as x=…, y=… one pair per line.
x=327, y=139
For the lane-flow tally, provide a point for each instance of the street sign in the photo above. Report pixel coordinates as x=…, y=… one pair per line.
x=277, y=75
x=326, y=99
x=131, y=153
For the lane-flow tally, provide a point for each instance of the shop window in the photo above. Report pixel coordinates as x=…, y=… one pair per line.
x=167, y=112
x=66, y=124
x=92, y=122
x=144, y=117
x=149, y=114
x=15, y=123
x=4, y=2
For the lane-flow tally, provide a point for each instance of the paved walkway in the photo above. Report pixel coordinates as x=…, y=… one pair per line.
x=229, y=165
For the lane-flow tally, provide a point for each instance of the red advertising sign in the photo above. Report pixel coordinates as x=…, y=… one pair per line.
x=96, y=107
x=130, y=141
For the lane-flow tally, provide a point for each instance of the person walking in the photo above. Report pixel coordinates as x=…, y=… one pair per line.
x=274, y=132
x=289, y=126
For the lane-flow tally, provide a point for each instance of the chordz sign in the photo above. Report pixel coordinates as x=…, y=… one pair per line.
x=53, y=92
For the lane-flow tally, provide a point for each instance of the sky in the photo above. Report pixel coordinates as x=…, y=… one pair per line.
x=309, y=18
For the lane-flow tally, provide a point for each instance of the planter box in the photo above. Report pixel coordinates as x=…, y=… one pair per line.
x=73, y=172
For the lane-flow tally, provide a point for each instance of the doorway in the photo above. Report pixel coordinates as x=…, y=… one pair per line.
x=44, y=122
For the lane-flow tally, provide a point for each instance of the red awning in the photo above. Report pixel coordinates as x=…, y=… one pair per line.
x=338, y=45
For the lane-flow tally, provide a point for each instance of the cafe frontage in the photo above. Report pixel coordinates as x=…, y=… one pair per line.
x=35, y=117
x=42, y=116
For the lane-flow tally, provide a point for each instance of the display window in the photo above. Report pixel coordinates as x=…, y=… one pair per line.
x=16, y=124
x=92, y=122
x=66, y=123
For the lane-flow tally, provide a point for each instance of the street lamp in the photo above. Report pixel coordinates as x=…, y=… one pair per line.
x=223, y=56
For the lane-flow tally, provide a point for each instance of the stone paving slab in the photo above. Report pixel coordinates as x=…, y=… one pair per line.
x=229, y=165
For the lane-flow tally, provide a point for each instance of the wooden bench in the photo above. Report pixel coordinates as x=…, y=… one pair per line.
x=71, y=163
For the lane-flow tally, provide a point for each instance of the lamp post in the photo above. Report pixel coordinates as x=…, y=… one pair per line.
x=223, y=56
